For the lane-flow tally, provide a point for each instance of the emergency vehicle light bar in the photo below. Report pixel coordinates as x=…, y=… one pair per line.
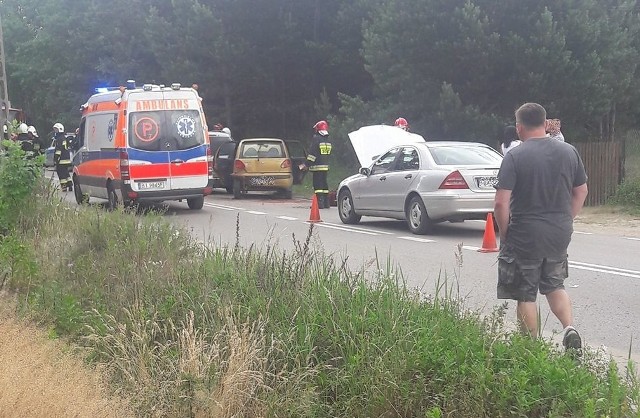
x=175, y=86
x=105, y=89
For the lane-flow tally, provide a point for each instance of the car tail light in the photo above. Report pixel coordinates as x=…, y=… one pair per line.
x=238, y=165
x=286, y=163
x=124, y=165
x=454, y=181
x=209, y=162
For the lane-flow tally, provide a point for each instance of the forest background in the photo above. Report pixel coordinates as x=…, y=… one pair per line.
x=456, y=69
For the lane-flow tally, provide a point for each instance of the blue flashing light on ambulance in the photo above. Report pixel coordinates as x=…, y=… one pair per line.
x=143, y=144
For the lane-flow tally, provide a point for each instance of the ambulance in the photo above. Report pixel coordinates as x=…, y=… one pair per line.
x=143, y=144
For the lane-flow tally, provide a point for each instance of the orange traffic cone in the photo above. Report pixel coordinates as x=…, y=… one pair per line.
x=315, y=211
x=489, y=244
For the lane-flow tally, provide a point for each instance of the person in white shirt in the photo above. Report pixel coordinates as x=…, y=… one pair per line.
x=510, y=139
x=553, y=129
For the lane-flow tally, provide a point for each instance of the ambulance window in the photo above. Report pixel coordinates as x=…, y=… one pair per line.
x=80, y=137
x=165, y=130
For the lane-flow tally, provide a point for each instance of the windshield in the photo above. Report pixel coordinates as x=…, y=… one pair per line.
x=465, y=155
x=165, y=130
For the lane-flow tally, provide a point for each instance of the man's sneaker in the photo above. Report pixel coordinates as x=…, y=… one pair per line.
x=572, y=341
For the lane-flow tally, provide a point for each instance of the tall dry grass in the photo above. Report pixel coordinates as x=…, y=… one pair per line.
x=40, y=377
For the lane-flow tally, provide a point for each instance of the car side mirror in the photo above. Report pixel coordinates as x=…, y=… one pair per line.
x=365, y=171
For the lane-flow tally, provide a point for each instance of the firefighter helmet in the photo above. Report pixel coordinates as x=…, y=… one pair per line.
x=402, y=124
x=322, y=127
x=32, y=130
x=58, y=127
x=23, y=128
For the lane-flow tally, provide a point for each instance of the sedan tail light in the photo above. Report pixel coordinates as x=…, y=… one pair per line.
x=286, y=163
x=238, y=165
x=454, y=181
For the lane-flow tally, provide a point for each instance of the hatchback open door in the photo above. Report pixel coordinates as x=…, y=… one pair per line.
x=298, y=156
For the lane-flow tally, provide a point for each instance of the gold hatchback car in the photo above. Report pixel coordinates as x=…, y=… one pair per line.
x=265, y=164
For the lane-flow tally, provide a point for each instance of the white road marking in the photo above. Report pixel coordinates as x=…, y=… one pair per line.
x=603, y=267
x=632, y=239
x=416, y=239
x=356, y=228
x=470, y=248
x=218, y=206
x=287, y=218
x=329, y=226
x=616, y=273
x=255, y=212
x=583, y=233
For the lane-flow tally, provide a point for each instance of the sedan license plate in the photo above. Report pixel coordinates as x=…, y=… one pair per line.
x=486, y=182
x=151, y=185
x=262, y=181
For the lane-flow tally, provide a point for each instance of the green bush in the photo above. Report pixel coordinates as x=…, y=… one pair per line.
x=628, y=194
x=18, y=179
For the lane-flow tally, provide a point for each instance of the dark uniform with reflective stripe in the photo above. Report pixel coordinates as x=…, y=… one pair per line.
x=318, y=161
x=62, y=160
x=27, y=145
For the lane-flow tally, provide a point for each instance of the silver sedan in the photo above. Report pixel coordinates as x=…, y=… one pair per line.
x=423, y=183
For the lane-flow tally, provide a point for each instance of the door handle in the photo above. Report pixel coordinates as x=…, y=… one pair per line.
x=408, y=176
x=383, y=178
x=178, y=161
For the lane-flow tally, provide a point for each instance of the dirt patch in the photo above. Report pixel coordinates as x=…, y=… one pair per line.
x=608, y=220
x=40, y=378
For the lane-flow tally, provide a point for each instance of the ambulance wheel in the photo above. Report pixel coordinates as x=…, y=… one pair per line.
x=196, y=203
x=81, y=198
x=237, y=189
x=112, y=198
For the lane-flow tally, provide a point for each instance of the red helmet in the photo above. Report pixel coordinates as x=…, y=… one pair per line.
x=321, y=126
x=402, y=123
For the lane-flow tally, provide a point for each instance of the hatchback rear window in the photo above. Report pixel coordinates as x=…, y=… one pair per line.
x=262, y=150
x=461, y=155
x=165, y=130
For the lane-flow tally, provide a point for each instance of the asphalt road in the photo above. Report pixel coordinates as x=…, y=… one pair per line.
x=604, y=274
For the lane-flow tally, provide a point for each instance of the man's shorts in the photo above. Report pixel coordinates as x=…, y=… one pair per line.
x=521, y=279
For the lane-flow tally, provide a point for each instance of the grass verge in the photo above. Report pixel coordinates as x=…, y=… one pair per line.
x=185, y=329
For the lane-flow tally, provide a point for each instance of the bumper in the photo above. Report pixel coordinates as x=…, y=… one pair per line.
x=161, y=195
x=266, y=182
x=458, y=206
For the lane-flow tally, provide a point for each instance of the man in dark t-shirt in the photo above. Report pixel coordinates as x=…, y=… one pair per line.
x=541, y=188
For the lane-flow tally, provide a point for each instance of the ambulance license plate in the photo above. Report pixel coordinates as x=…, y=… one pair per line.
x=486, y=182
x=151, y=185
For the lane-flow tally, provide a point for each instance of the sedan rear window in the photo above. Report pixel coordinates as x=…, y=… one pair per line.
x=461, y=155
x=262, y=150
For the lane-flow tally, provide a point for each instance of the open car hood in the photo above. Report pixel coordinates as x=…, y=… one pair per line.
x=371, y=141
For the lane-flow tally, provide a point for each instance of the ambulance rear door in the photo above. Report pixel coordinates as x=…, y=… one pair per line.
x=167, y=142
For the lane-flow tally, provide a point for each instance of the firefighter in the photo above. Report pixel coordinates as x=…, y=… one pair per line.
x=62, y=157
x=26, y=143
x=33, y=136
x=318, y=162
x=402, y=124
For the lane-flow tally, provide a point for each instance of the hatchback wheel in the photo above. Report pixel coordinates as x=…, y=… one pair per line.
x=237, y=189
x=196, y=203
x=417, y=218
x=286, y=193
x=346, y=209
